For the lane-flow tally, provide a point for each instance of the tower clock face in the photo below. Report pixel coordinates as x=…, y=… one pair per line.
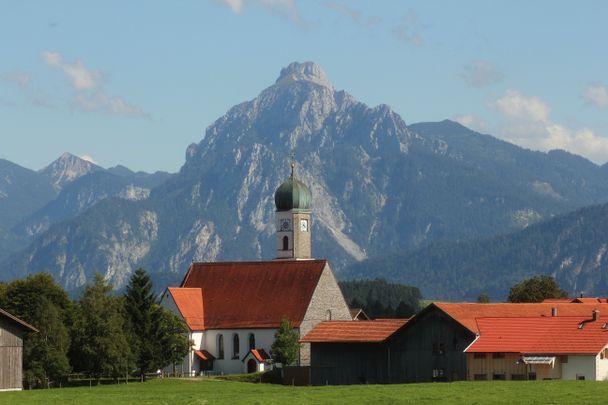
x=304, y=225
x=284, y=224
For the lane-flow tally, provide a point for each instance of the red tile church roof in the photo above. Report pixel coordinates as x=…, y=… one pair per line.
x=253, y=294
x=189, y=302
x=540, y=335
x=354, y=331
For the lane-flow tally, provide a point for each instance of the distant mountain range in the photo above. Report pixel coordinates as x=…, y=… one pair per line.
x=379, y=187
x=572, y=247
x=33, y=201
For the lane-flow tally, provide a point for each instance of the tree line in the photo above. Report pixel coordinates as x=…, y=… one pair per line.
x=99, y=334
x=382, y=299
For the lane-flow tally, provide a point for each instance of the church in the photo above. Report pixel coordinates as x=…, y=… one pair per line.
x=233, y=309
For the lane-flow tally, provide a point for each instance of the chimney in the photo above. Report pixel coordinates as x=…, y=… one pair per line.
x=596, y=315
x=554, y=311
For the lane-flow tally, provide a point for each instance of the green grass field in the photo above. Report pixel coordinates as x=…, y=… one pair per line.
x=214, y=391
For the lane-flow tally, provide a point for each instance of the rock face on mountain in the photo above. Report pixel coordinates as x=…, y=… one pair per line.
x=572, y=248
x=378, y=186
x=68, y=168
x=30, y=202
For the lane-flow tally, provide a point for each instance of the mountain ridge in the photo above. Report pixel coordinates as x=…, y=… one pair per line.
x=378, y=186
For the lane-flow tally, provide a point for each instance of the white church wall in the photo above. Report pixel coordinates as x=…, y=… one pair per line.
x=263, y=340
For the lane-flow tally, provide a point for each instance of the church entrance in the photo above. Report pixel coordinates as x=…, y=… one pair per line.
x=252, y=366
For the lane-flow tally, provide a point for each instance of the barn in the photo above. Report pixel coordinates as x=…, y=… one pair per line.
x=12, y=330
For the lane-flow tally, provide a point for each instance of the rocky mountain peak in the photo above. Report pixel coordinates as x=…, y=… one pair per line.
x=307, y=71
x=68, y=168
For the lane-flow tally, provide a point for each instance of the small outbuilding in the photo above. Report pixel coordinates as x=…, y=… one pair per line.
x=351, y=352
x=256, y=360
x=12, y=331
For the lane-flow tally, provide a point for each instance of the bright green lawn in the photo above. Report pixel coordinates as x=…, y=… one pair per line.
x=227, y=392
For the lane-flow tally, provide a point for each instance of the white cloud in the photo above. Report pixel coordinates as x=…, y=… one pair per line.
x=518, y=106
x=18, y=78
x=528, y=123
x=596, y=94
x=235, y=5
x=353, y=15
x=89, y=94
x=409, y=29
x=81, y=78
x=480, y=73
x=284, y=8
x=471, y=122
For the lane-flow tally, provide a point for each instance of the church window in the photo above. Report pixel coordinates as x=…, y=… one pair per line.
x=251, y=341
x=328, y=315
x=285, y=243
x=220, y=346
x=235, y=346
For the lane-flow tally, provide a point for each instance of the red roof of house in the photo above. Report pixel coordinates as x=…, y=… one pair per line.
x=354, y=331
x=18, y=321
x=189, y=302
x=204, y=355
x=540, y=335
x=466, y=314
x=254, y=294
x=590, y=300
x=259, y=354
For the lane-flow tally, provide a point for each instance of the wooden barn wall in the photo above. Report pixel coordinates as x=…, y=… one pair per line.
x=412, y=356
x=11, y=354
x=348, y=363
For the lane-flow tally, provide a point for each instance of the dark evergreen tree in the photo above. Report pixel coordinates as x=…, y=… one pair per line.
x=536, y=289
x=404, y=310
x=483, y=298
x=286, y=345
x=139, y=307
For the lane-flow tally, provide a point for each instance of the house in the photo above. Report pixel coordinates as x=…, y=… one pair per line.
x=431, y=345
x=12, y=331
x=233, y=309
x=347, y=352
x=530, y=348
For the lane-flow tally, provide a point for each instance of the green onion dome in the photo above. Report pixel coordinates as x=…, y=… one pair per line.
x=292, y=194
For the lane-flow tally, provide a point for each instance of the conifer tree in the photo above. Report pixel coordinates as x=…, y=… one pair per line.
x=139, y=306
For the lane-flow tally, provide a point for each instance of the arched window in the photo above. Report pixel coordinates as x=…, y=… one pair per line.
x=251, y=341
x=285, y=243
x=328, y=315
x=220, y=346
x=235, y=346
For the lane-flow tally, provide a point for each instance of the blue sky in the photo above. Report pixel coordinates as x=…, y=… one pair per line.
x=135, y=82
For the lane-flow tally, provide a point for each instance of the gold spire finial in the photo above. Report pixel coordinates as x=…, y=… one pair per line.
x=293, y=161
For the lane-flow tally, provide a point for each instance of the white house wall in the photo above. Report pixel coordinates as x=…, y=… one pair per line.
x=601, y=367
x=263, y=340
x=579, y=365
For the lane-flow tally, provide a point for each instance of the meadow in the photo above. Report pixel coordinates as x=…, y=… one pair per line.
x=215, y=391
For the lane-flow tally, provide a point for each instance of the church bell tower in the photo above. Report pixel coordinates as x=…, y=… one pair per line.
x=293, y=201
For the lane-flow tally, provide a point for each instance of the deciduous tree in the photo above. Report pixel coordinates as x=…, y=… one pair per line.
x=536, y=289
x=286, y=345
